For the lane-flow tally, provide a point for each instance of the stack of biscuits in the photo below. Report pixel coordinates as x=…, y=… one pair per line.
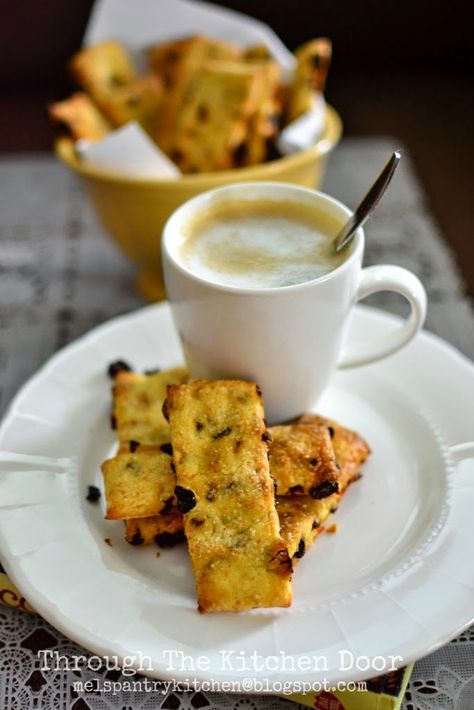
x=197, y=463
x=209, y=105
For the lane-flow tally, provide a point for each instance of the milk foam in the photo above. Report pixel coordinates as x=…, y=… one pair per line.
x=261, y=244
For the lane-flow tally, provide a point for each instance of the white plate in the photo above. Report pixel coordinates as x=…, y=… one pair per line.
x=396, y=580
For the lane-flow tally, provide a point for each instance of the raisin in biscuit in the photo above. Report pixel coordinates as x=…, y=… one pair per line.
x=226, y=495
x=301, y=519
x=302, y=460
x=80, y=118
x=107, y=73
x=166, y=530
x=137, y=409
x=138, y=100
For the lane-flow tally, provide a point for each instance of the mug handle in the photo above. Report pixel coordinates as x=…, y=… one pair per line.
x=388, y=278
x=461, y=452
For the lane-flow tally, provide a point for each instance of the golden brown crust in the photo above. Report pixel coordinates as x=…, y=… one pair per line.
x=226, y=494
x=350, y=449
x=138, y=100
x=209, y=105
x=302, y=460
x=138, y=402
x=138, y=484
x=257, y=53
x=176, y=63
x=80, y=118
x=102, y=68
x=106, y=72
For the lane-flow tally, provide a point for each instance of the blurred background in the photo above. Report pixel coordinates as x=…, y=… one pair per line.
x=401, y=68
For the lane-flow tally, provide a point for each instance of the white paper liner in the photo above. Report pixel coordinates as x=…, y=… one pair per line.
x=130, y=151
x=141, y=23
x=303, y=132
x=138, y=24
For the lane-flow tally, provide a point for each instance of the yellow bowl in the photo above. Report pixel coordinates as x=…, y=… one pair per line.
x=134, y=210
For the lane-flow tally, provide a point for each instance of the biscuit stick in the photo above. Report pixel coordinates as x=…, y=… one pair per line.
x=137, y=407
x=226, y=495
x=350, y=449
x=301, y=516
x=80, y=118
x=302, y=460
x=139, y=481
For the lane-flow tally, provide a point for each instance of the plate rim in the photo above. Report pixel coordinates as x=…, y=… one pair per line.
x=93, y=642
x=111, y=323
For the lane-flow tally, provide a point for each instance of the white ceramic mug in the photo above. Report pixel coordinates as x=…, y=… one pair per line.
x=288, y=339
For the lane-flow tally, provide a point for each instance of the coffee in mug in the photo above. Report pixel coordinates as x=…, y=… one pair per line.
x=261, y=243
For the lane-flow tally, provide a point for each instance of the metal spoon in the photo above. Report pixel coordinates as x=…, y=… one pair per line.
x=368, y=204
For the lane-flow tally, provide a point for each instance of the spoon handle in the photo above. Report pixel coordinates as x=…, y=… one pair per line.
x=368, y=204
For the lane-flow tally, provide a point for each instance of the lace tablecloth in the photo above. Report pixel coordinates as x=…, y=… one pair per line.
x=59, y=276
